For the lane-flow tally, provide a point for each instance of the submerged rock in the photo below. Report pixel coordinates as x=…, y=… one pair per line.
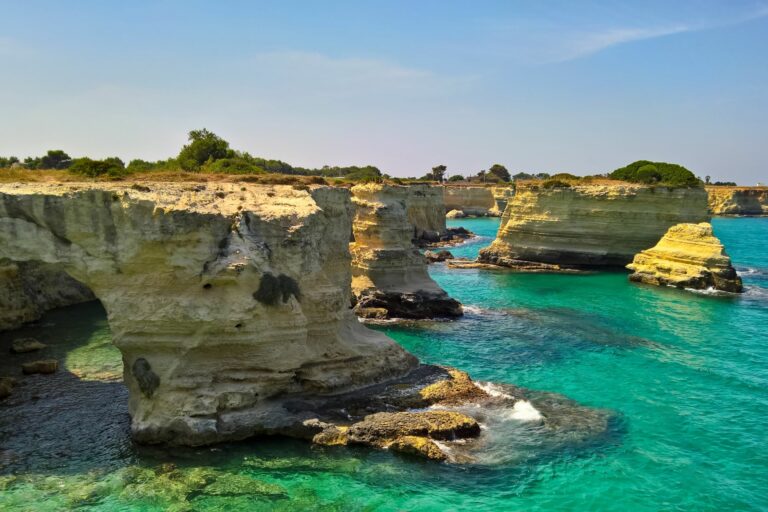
x=44, y=366
x=24, y=345
x=687, y=256
x=6, y=387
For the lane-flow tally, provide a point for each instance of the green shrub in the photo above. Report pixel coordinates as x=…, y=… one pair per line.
x=232, y=166
x=671, y=175
x=110, y=167
x=456, y=177
x=552, y=183
x=204, y=146
x=565, y=176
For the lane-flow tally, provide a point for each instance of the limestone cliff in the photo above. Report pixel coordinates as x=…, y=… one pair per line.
x=687, y=256
x=501, y=195
x=390, y=276
x=223, y=299
x=738, y=200
x=470, y=200
x=27, y=290
x=425, y=210
x=588, y=225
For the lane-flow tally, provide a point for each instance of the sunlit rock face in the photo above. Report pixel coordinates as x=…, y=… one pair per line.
x=588, y=225
x=687, y=256
x=501, y=196
x=29, y=289
x=738, y=200
x=224, y=299
x=389, y=275
x=470, y=200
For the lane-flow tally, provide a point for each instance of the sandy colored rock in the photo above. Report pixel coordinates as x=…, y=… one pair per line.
x=458, y=389
x=738, y=200
x=455, y=214
x=387, y=270
x=588, y=226
x=24, y=345
x=231, y=302
x=44, y=366
x=687, y=256
x=425, y=209
x=469, y=200
x=501, y=196
x=384, y=428
x=438, y=256
x=417, y=445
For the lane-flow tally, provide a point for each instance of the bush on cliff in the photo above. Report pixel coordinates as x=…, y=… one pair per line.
x=204, y=146
x=644, y=171
x=555, y=184
x=110, y=167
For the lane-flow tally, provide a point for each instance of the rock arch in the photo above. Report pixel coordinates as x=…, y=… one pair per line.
x=177, y=267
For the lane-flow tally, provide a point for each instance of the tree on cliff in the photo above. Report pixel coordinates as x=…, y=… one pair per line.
x=500, y=172
x=204, y=146
x=644, y=171
x=55, y=159
x=437, y=173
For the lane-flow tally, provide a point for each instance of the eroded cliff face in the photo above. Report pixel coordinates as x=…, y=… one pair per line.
x=588, y=225
x=687, y=256
x=738, y=200
x=425, y=210
x=390, y=277
x=223, y=299
x=470, y=200
x=501, y=195
x=29, y=289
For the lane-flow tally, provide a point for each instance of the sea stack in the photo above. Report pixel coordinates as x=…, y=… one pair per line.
x=687, y=256
x=588, y=226
x=389, y=275
x=472, y=201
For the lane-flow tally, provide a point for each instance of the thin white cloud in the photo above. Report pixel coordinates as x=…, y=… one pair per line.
x=585, y=44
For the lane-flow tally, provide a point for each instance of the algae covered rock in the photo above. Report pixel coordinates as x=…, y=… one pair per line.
x=24, y=345
x=44, y=366
x=687, y=256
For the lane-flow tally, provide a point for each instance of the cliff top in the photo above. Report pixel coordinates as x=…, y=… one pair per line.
x=220, y=198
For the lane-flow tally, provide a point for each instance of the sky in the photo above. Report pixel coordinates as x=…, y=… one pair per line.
x=538, y=86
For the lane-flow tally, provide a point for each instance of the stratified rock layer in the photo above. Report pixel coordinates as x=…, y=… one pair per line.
x=738, y=200
x=501, y=195
x=425, y=210
x=223, y=299
x=470, y=200
x=29, y=289
x=589, y=225
x=687, y=256
x=388, y=272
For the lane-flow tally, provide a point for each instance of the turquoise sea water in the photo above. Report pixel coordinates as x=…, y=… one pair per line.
x=683, y=378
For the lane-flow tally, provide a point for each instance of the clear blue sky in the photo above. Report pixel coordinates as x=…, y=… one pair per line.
x=538, y=86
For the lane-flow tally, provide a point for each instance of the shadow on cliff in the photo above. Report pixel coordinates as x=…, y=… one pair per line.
x=73, y=420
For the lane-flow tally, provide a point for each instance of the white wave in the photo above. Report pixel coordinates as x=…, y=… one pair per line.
x=711, y=291
x=525, y=411
x=751, y=271
x=494, y=390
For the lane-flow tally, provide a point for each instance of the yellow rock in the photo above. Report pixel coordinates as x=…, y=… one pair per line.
x=470, y=200
x=687, y=256
x=418, y=445
x=738, y=200
x=588, y=225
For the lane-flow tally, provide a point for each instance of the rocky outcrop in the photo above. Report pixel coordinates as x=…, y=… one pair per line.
x=687, y=256
x=501, y=195
x=589, y=225
x=223, y=299
x=388, y=272
x=738, y=200
x=469, y=200
x=29, y=289
x=425, y=211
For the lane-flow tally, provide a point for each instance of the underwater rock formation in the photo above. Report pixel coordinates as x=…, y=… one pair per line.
x=469, y=200
x=388, y=272
x=588, y=226
x=738, y=200
x=181, y=270
x=29, y=289
x=501, y=195
x=687, y=256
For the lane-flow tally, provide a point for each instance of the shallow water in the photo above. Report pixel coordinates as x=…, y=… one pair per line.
x=678, y=379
